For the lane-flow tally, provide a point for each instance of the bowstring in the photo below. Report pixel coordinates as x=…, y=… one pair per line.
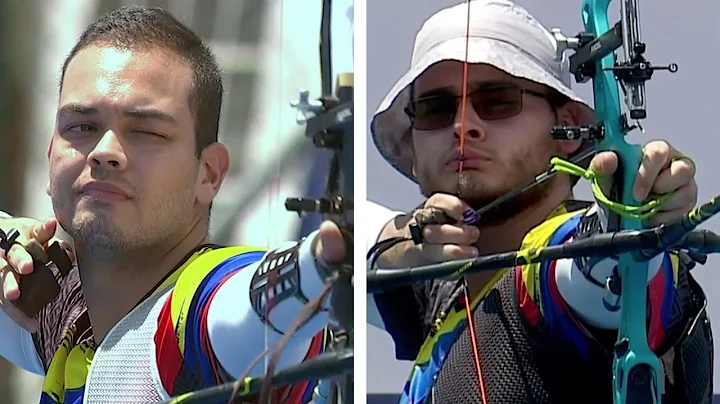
x=273, y=196
x=461, y=178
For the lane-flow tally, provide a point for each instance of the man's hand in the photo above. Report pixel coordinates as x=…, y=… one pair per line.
x=18, y=262
x=331, y=247
x=441, y=243
x=662, y=171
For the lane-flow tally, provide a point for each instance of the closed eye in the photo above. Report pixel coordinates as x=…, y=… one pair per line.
x=147, y=132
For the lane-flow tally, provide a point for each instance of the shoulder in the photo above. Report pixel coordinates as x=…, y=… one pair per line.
x=209, y=266
x=213, y=258
x=557, y=228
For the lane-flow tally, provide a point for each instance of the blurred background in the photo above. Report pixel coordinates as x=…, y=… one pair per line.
x=268, y=51
x=680, y=109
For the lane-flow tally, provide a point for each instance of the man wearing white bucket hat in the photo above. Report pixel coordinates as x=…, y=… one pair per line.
x=538, y=333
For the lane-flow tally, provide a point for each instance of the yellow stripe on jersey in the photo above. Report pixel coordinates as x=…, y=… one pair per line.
x=453, y=319
x=192, y=277
x=54, y=383
x=78, y=366
x=675, y=260
x=539, y=237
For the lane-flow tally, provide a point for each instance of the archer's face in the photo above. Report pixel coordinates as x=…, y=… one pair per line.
x=124, y=124
x=500, y=154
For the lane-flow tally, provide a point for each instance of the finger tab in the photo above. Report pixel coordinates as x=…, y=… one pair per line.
x=36, y=251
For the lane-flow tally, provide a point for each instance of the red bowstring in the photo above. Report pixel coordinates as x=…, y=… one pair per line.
x=463, y=121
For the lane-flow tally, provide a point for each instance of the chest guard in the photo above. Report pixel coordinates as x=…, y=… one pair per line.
x=521, y=365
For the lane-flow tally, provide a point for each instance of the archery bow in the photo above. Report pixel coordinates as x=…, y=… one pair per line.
x=638, y=376
x=329, y=123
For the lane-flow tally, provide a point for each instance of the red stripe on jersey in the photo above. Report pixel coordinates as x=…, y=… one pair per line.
x=528, y=307
x=167, y=350
x=297, y=391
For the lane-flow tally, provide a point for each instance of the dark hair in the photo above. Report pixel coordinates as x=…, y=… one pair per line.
x=140, y=27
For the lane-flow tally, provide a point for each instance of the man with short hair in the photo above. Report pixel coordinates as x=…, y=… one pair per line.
x=152, y=308
x=542, y=332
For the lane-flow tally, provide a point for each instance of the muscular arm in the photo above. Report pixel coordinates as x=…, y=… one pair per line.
x=231, y=316
x=399, y=312
x=210, y=326
x=567, y=295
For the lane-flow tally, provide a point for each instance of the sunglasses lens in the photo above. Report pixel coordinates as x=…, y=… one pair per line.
x=497, y=103
x=489, y=104
x=435, y=112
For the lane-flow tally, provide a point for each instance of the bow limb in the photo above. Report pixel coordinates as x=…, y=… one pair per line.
x=638, y=375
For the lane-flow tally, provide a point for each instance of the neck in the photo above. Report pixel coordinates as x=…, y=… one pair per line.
x=114, y=283
x=508, y=236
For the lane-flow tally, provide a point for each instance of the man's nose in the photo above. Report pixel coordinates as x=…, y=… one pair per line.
x=474, y=125
x=108, y=153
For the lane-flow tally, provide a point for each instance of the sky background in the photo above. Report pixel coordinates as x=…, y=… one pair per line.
x=680, y=106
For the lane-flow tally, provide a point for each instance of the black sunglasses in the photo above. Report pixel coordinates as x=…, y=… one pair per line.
x=490, y=103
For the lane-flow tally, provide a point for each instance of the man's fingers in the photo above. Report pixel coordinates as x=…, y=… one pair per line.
x=19, y=259
x=332, y=244
x=604, y=166
x=656, y=156
x=451, y=234
x=11, y=290
x=452, y=206
x=680, y=173
x=44, y=231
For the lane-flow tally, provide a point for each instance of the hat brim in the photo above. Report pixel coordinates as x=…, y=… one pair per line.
x=390, y=126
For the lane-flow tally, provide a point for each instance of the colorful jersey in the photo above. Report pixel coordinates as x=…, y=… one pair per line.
x=184, y=358
x=427, y=330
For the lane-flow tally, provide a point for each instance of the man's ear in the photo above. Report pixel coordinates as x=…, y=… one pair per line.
x=214, y=166
x=569, y=115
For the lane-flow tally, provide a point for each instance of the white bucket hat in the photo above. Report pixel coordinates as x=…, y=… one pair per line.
x=502, y=34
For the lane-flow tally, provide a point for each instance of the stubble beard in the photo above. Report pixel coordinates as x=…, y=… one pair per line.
x=99, y=232
x=473, y=189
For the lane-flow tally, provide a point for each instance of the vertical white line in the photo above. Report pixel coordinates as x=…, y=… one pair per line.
x=359, y=24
